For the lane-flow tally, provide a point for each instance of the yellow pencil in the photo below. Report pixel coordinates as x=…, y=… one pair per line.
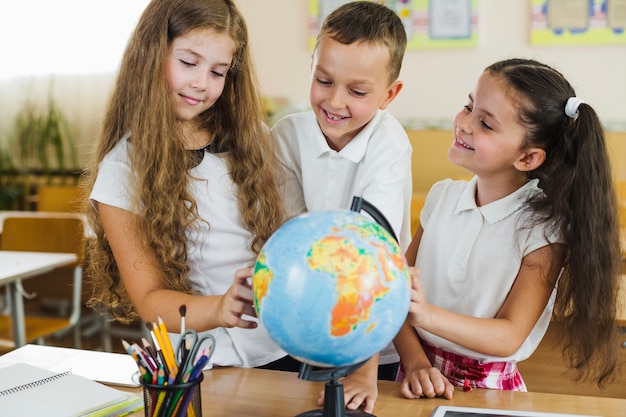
x=168, y=363
x=168, y=350
x=159, y=403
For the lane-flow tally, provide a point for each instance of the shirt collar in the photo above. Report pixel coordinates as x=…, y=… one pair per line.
x=355, y=150
x=499, y=209
x=197, y=155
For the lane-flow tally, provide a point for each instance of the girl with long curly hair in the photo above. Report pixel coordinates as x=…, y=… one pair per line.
x=183, y=185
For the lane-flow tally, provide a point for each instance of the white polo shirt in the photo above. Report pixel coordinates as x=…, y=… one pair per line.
x=469, y=257
x=375, y=165
x=215, y=250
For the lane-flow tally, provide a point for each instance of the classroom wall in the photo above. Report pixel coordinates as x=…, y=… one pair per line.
x=437, y=82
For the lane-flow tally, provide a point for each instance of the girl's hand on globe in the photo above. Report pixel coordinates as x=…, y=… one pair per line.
x=418, y=309
x=238, y=301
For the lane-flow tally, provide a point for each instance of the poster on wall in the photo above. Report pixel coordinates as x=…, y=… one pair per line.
x=578, y=22
x=428, y=23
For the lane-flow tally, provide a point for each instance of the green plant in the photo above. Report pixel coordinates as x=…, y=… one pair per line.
x=42, y=141
x=39, y=147
x=11, y=188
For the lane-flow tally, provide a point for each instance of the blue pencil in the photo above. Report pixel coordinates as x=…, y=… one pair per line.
x=198, y=367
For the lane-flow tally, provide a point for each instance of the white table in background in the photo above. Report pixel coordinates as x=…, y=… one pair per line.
x=16, y=266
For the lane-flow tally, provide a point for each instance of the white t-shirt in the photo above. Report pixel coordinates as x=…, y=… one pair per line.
x=213, y=255
x=469, y=257
x=375, y=165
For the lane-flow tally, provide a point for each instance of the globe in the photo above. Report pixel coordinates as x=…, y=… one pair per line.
x=331, y=287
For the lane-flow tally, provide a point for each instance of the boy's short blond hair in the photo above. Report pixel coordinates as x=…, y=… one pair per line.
x=367, y=21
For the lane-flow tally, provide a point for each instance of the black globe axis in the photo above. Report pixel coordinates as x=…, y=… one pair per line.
x=333, y=390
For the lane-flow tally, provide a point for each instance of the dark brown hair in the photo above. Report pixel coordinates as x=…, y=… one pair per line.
x=579, y=197
x=366, y=21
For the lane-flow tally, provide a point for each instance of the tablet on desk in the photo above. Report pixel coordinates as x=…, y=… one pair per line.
x=454, y=411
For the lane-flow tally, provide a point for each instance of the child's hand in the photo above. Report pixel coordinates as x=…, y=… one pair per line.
x=426, y=382
x=418, y=309
x=238, y=301
x=358, y=389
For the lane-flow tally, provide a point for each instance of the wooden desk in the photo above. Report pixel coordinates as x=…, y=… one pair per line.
x=16, y=266
x=240, y=392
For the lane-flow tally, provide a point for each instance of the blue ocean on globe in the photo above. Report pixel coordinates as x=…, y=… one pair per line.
x=331, y=287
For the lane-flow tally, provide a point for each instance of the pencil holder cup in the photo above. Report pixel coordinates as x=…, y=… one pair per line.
x=176, y=400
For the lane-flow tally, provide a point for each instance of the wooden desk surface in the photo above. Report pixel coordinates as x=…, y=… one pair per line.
x=237, y=392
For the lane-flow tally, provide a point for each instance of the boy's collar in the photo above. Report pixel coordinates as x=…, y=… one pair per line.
x=356, y=149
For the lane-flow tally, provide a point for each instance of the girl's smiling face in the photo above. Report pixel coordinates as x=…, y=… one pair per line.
x=197, y=65
x=488, y=135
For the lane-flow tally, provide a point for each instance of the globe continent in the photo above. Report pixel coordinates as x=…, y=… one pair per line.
x=332, y=288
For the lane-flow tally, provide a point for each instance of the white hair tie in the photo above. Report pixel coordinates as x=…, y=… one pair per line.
x=571, y=107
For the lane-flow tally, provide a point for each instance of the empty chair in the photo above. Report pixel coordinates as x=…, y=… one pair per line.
x=59, y=198
x=42, y=234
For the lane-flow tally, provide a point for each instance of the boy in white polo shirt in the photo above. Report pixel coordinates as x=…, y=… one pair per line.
x=349, y=144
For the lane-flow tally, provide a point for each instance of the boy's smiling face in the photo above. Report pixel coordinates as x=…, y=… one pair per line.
x=349, y=83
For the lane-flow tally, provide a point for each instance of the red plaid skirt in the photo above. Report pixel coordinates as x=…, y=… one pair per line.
x=467, y=372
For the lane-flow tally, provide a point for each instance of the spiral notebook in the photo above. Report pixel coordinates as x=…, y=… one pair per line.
x=27, y=390
x=105, y=367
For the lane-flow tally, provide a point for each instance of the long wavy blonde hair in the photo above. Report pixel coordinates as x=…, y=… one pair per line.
x=141, y=104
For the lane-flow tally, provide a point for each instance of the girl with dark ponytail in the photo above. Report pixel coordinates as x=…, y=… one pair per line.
x=532, y=238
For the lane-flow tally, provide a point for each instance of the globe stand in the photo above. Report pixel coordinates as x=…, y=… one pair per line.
x=333, y=391
x=360, y=204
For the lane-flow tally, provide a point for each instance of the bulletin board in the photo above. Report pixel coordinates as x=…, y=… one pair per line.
x=428, y=23
x=578, y=22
